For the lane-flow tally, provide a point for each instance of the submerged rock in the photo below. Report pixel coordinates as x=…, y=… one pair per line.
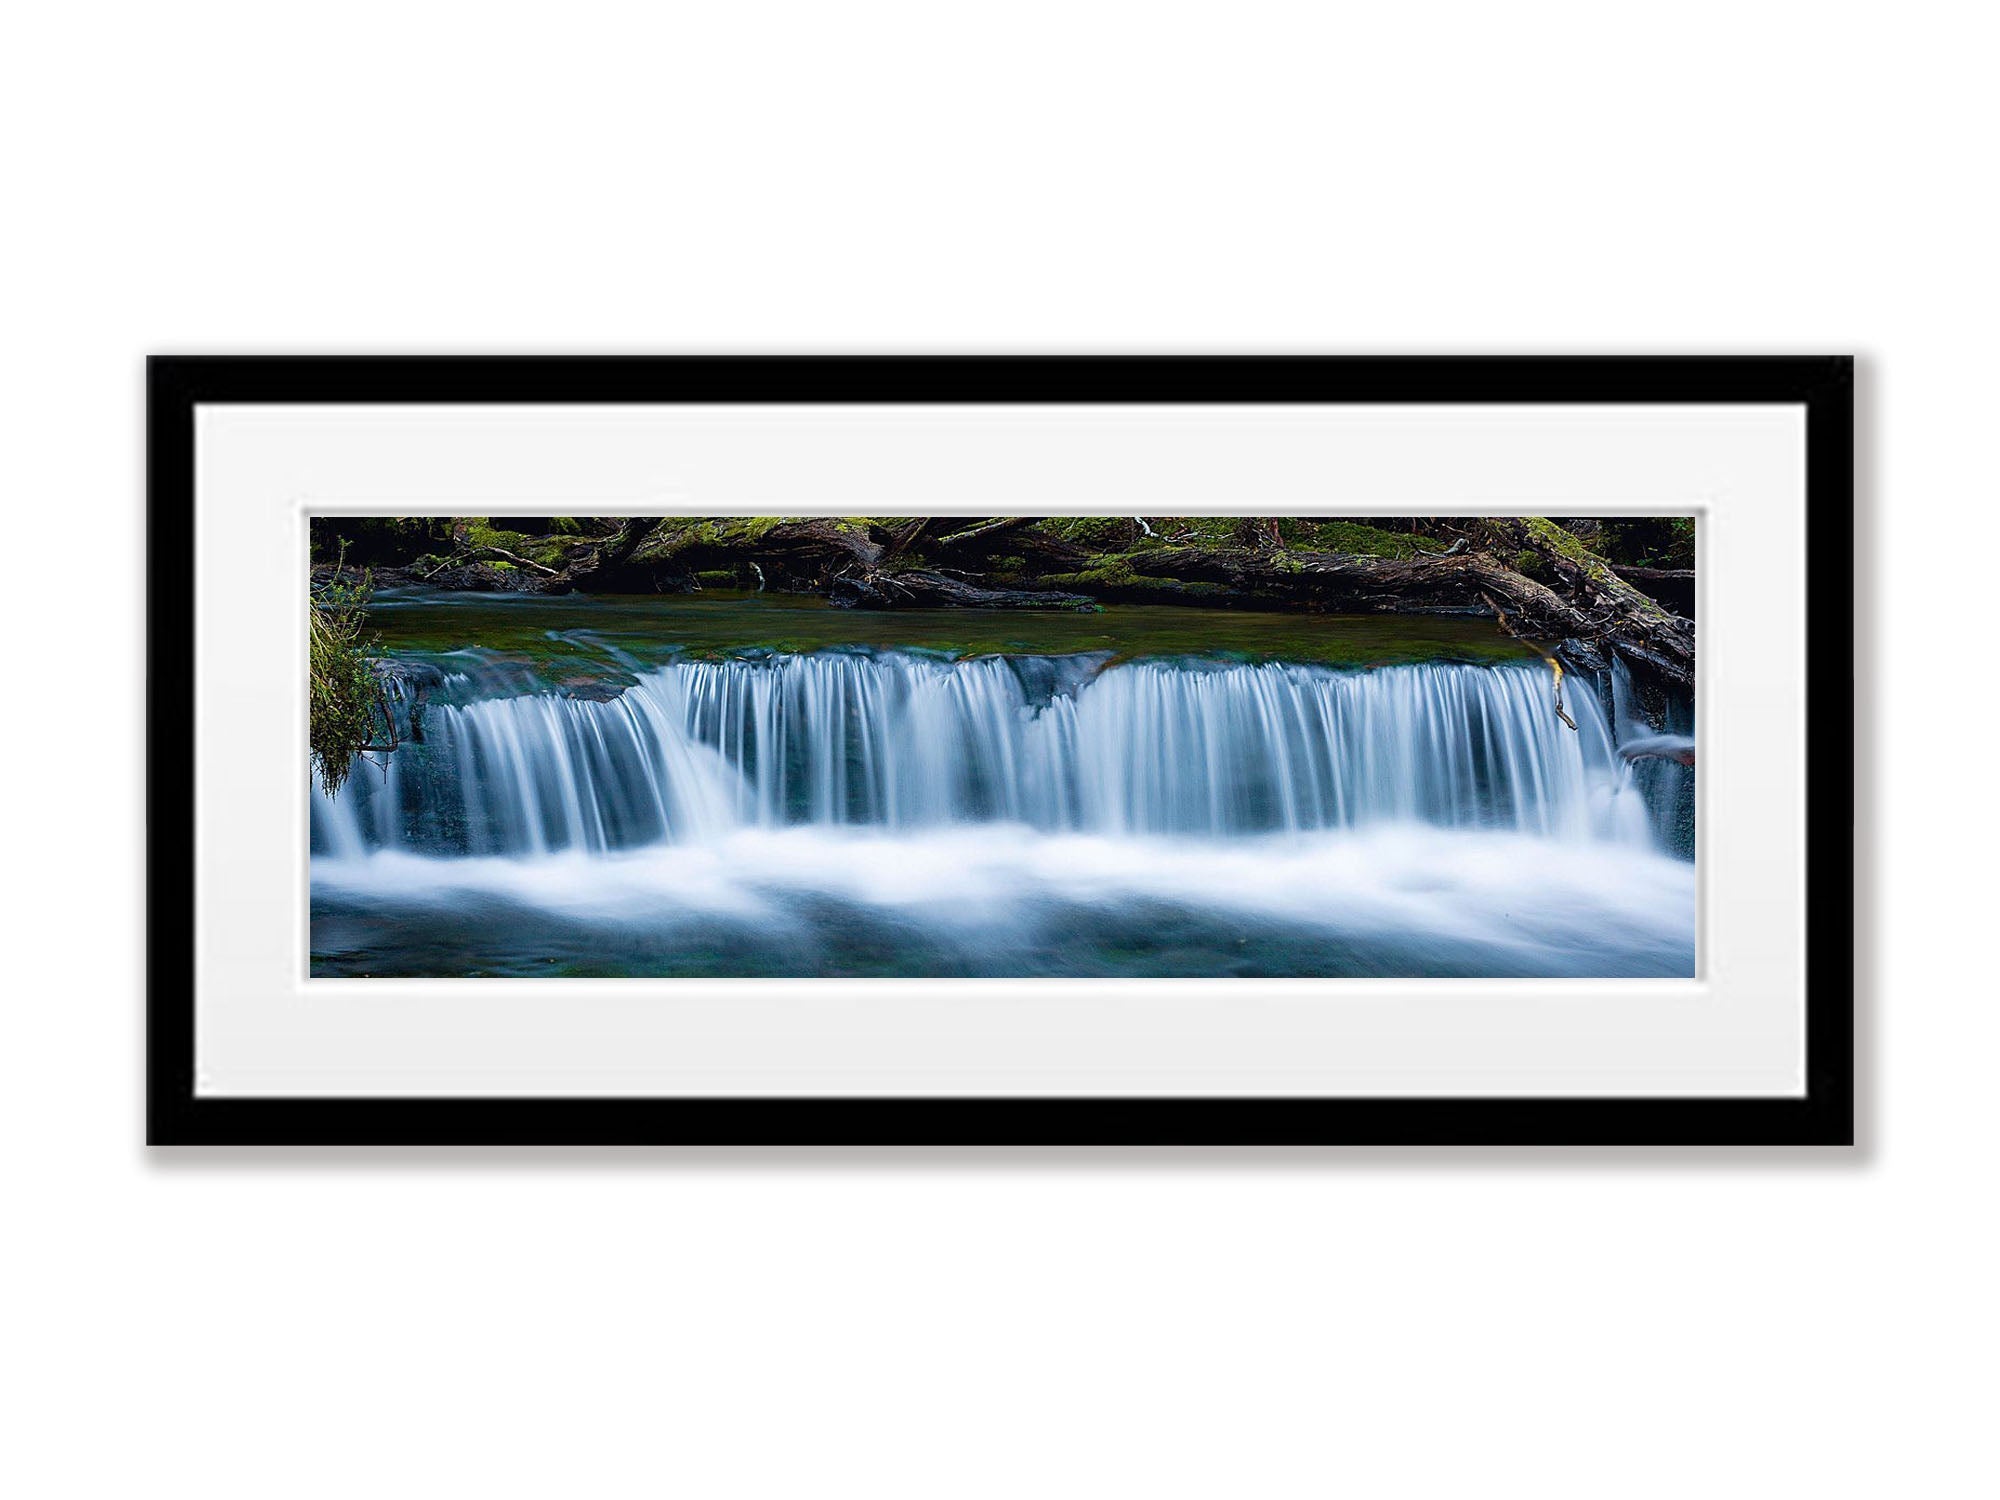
x=406, y=689
x=592, y=689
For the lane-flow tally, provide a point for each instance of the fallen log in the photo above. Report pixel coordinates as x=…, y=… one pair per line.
x=801, y=554
x=985, y=535
x=480, y=554
x=593, y=565
x=1585, y=605
x=917, y=588
x=1592, y=603
x=1538, y=578
x=905, y=536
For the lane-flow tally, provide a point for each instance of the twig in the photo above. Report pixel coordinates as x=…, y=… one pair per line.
x=473, y=554
x=1554, y=665
x=985, y=528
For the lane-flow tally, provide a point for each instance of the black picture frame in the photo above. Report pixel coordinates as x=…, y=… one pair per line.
x=1823, y=1115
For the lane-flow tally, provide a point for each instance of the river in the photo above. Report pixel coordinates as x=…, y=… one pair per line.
x=766, y=786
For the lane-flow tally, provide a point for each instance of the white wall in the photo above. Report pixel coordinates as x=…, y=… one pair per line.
x=1534, y=177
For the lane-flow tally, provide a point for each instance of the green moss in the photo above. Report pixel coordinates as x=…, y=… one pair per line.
x=1354, y=539
x=1100, y=532
x=1527, y=562
x=1567, y=545
x=1350, y=537
x=1557, y=539
x=480, y=532
x=730, y=531
x=1216, y=531
x=1113, y=572
x=666, y=539
x=608, y=638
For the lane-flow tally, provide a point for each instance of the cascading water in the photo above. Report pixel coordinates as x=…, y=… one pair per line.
x=902, y=812
x=1659, y=773
x=903, y=742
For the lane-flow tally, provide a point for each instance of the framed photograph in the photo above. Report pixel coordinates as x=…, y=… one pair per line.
x=1001, y=751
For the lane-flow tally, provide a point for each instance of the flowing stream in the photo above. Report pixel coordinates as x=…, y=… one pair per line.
x=898, y=811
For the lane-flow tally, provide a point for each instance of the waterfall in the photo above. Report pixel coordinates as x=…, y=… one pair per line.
x=1663, y=785
x=902, y=740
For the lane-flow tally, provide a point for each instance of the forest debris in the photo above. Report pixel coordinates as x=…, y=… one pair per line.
x=1561, y=713
x=1539, y=579
x=1554, y=665
x=475, y=554
x=920, y=588
x=986, y=530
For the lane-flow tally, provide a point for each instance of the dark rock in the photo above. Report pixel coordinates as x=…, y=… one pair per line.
x=412, y=677
x=406, y=689
x=592, y=689
x=1582, y=656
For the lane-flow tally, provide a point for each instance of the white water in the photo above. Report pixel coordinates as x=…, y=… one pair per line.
x=900, y=742
x=1018, y=815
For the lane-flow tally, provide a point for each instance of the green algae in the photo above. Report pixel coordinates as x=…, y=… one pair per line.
x=580, y=640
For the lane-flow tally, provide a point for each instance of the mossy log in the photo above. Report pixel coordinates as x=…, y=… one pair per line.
x=853, y=562
x=1584, y=609
x=1541, y=579
x=1594, y=606
x=803, y=554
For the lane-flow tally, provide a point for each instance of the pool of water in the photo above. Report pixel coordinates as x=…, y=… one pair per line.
x=582, y=638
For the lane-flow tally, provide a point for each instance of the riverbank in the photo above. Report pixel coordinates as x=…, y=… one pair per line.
x=1535, y=578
